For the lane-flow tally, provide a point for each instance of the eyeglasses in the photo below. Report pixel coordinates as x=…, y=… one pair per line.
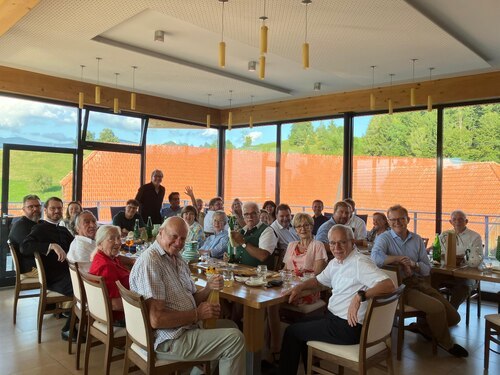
x=303, y=226
x=33, y=206
x=340, y=243
x=132, y=207
x=248, y=214
x=398, y=220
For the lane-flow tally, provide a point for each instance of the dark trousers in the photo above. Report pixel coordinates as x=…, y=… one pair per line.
x=330, y=329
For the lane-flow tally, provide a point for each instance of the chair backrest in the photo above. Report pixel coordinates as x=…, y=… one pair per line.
x=136, y=311
x=363, y=217
x=98, y=303
x=393, y=273
x=17, y=266
x=379, y=318
x=76, y=281
x=94, y=211
x=41, y=273
x=116, y=210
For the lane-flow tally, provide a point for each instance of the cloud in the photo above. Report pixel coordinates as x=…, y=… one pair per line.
x=209, y=133
x=254, y=135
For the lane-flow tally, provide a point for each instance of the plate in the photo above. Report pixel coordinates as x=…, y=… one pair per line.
x=258, y=283
x=241, y=279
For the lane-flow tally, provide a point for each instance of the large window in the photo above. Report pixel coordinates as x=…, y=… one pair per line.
x=311, y=163
x=394, y=163
x=250, y=170
x=111, y=128
x=186, y=154
x=471, y=173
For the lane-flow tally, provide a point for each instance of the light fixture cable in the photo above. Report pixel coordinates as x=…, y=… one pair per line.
x=305, y=46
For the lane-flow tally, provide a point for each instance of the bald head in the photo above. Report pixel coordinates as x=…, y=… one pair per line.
x=172, y=235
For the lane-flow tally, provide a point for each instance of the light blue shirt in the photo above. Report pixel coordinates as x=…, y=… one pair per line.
x=322, y=234
x=389, y=243
x=217, y=244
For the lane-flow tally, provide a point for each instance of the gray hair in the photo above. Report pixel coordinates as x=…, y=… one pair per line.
x=77, y=217
x=347, y=231
x=458, y=212
x=155, y=172
x=104, y=231
x=220, y=214
x=251, y=204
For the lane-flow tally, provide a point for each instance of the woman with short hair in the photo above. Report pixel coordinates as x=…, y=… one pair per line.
x=195, y=233
x=216, y=244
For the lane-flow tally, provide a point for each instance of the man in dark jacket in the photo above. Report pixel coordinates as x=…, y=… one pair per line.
x=150, y=196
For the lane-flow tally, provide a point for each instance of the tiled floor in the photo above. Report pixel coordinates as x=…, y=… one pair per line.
x=21, y=354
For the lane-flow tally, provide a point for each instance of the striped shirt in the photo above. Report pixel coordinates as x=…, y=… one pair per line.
x=167, y=278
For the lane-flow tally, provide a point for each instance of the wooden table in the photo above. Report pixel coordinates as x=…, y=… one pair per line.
x=254, y=301
x=475, y=274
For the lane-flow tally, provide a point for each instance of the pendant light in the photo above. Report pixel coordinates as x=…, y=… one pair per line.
x=116, y=103
x=429, y=97
x=98, y=88
x=263, y=32
x=222, y=44
x=250, y=120
x=230, y=116
x=372, y=95
x=133, y=98
x=389, y=102
x=413, y=102
x=262, y=67
x=305, y=46
x=81, y=95
x=208, y=114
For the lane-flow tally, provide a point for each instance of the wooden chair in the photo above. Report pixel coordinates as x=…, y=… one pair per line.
x=47, y=297
x=374, y=346
x=403, y=312
x=79, y=311
x=491, y=333
x=22, y=285
x=139, y=348
x=100, y=321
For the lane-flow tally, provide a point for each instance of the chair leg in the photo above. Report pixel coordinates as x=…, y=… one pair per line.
x=479, y=299
x=390, y=367
x=72, y=323
x=88, y=345
x=82, y=325
x=401, y=333
x=467, y=310
x=107, y=356
x=41, y=309
x=125, y=360
x=16, y=298
x=309, y=361
x=486, y=345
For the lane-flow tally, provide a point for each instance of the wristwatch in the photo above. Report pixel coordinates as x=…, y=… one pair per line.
x=362, y=295
x=244, y=245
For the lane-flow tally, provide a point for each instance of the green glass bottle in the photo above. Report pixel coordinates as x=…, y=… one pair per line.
x=149, y=228
x=436, y=249
x=137, y=230
x=230, y=245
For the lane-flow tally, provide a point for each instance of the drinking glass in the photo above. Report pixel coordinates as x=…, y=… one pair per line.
x=262, y=272
x=308, y=275
x=228, y=278
x=286, y=276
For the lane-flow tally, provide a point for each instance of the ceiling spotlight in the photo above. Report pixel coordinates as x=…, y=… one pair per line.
x=159, y=36
x=252, y=66
x=317, y=86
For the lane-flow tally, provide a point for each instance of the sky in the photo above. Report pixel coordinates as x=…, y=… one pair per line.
x=29, y=122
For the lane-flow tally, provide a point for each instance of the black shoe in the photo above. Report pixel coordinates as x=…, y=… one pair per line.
x=458, y=351
x=65, y=336
x=268, y=368
x=413, y=327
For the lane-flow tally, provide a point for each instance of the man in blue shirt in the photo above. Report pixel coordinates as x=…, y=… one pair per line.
x=400, y=246
x=341, y=215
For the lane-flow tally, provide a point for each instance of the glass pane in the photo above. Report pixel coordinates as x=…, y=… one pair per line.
x=27, y=122
x=111, y=128
x=109, y=179
x=45, y=174
x=395, y=163
x=311, y=163
x=471, y=173
x=250, y=171
x=186, y=154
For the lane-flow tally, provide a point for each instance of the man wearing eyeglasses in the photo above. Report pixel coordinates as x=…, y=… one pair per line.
x=401, y=247
x=126, y=219
x=32, y=212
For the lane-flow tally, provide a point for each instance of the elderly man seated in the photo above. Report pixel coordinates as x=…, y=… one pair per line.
x=84, y=243
x=176, y=306
x=466, y=239
x=354, y=278
x=400, y=246
x=126, y=219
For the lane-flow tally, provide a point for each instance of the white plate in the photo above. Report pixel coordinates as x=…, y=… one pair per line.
x=241, y=279
x=252, y=283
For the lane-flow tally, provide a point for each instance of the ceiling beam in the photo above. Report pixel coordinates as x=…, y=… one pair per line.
x=11, y=12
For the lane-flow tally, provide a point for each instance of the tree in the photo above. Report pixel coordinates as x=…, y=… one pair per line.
x=41, y=182
x=90, y=136
x=107, y=135
x=247, y=141
x=302, y=133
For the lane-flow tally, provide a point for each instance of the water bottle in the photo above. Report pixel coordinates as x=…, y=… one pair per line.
x=137, y=230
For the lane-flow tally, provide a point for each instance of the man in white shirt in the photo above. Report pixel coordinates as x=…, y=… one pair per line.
x=84, y=242
x=356, y=223
x=466, y=239
x=354, y=278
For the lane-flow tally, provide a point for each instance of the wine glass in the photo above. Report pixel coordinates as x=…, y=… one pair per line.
x=129, y=242
x=262, y=272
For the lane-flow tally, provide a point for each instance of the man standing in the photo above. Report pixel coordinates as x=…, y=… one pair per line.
x=215, y=204
x=126, y=219
x=465, y=239
x=255, y=243
x=176, y=306
x=282, y=228
x=150, y=197
x=84, y=242
x=174, y=198
x=400, y=246
x=32, y=211
x=341, y=215
x=319, y=218
x=52, y=241
x=354, y=279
